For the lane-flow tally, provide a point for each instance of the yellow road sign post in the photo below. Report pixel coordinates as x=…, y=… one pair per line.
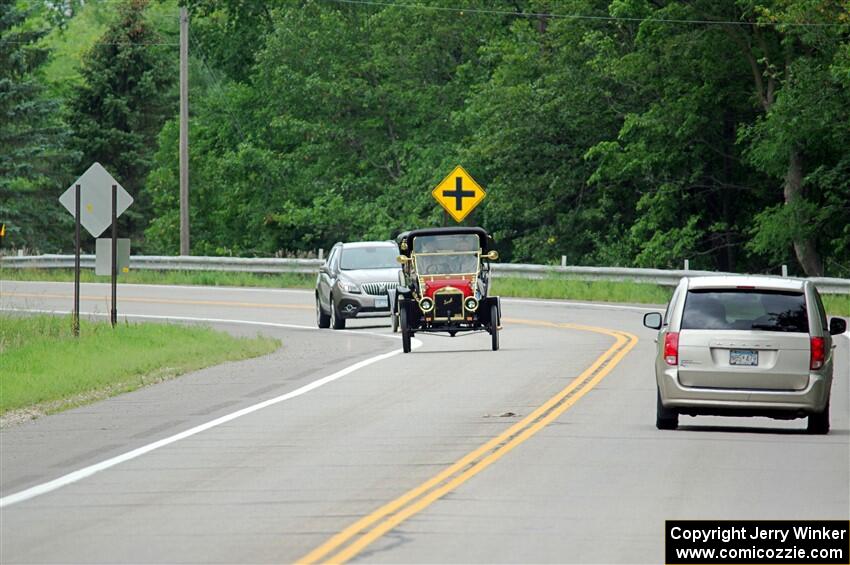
x=458, y=194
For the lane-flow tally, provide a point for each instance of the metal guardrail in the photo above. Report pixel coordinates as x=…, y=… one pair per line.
x=173, y=263
x=309, y=266
x=826, y=285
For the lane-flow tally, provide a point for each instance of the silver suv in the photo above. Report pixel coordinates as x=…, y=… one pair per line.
x=744, y=346
x=354, y=280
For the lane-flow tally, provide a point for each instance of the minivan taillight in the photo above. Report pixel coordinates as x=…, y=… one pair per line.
x=818, y=353
x=671, y=348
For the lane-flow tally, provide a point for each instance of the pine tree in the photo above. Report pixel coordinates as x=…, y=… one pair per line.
x=126, y=98
x=33, y=142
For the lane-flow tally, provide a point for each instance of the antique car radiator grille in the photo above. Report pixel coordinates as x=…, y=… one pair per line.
x=448, y=304
x=378, y=288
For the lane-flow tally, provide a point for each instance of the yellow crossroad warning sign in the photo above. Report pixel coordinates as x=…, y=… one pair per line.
x=458, y=193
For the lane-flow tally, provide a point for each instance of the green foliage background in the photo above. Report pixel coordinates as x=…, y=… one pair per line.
x=641, y=133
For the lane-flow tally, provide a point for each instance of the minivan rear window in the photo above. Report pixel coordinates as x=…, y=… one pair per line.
x=745, y=309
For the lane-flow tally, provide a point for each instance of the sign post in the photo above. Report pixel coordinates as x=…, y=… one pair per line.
x=113, y=316
x=458, y=194
x=2, y=237
x=75, y=324
x=96, y=200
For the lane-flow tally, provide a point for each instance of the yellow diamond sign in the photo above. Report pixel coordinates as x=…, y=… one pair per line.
x=459, y=194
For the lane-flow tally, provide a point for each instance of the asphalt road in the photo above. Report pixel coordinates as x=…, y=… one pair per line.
x=198, y=469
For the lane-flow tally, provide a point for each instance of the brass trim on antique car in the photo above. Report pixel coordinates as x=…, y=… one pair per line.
x=445, y=300
x=445, y=285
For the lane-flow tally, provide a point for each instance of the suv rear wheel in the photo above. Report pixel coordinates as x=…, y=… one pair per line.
x=819, y=423
x=665, y=418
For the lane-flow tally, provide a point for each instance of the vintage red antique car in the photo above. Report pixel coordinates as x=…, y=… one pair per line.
x=445, y=287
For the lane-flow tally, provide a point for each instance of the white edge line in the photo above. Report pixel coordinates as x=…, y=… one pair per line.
x=161, y=286
x=80, y=474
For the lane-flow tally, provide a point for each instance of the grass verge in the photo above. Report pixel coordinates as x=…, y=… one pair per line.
x=837, y=304
x=562, y=288
x=572, y=289
x=204, y=278
x=620, y=291
x=44, y=369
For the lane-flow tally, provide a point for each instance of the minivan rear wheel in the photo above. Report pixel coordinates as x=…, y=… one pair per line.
x=665, y=418
x=819, y=422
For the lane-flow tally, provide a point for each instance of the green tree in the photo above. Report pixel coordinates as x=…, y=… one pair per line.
x=33, y=142
x=342, y=130
x=735, y=134
x=126, y=98
x=642, y=133
x=801, y=138
x=675, y=158
x=529, y=127
x=231, y=32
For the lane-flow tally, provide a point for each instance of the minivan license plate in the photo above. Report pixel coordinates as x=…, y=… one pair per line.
x=743, y=357
x=381, y=302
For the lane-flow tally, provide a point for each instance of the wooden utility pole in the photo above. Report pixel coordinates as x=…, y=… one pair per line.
x=184, y=131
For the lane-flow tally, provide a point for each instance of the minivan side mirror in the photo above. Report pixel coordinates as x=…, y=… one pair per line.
x=652, y=320
x=837, y=326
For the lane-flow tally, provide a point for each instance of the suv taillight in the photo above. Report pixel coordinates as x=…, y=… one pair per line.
x=818, y=353
x=671, y=348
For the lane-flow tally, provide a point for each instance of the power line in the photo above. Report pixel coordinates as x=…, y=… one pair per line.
x=493, y=12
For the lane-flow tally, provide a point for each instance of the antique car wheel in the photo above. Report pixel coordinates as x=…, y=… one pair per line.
x=405, y=332
x=494, y=326
x=337, y=321
x=323, y=320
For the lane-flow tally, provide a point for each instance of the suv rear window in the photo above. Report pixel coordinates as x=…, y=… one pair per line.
x=745, y=309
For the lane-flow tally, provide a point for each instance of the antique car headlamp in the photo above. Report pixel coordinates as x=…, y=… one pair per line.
x=426, y=304
x=471, y=304
x=348, y=286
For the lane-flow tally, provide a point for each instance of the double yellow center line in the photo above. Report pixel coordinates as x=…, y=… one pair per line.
x=348, y=543
x=351, y=541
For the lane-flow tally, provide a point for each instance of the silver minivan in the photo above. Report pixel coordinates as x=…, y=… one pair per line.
x=744, y=346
